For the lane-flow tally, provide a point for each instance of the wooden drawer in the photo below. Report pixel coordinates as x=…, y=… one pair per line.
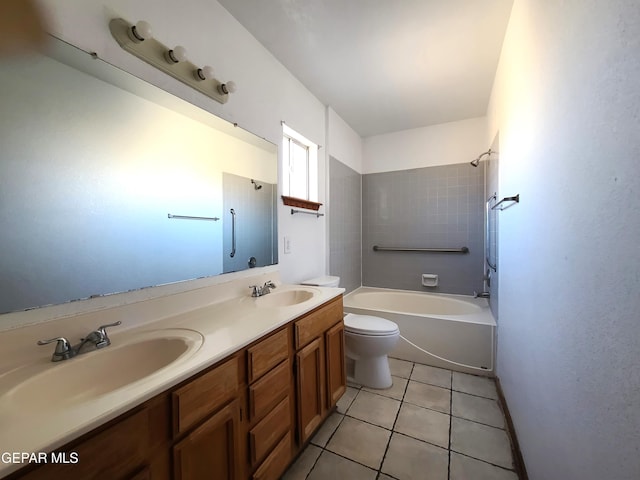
x=204, y=395
x=267, y=354
x=316, y=323
x=276, y=463
x=269, y=390
x=271, y=428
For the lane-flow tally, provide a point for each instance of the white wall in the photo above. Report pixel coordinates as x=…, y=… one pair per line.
x=566, y=103
x=442, y=144
x=344, y=143
x=267, y=92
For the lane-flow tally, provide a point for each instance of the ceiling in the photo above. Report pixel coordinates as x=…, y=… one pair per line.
x=385, y=65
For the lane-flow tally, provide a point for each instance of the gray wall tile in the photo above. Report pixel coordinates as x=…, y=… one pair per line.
x=437, y=207
x=345, y=224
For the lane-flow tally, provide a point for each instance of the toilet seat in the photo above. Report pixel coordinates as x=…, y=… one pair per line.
x=369, y=325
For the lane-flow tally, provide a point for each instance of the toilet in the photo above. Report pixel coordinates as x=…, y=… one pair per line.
x=368, y=340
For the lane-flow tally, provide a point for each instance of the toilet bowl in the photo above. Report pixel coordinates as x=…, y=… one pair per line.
x=368, y=340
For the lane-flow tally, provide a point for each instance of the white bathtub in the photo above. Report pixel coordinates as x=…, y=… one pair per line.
x=457, y=330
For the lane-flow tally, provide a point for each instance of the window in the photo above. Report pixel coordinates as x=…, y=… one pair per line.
x=300, y=167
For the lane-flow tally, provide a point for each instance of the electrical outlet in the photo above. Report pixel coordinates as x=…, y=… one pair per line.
x=287, y=245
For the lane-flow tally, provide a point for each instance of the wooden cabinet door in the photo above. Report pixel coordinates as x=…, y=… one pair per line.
x=211, y=451
x=336, y=367
x=310, y=385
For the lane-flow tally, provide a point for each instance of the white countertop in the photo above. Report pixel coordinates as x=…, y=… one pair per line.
x=226, y=326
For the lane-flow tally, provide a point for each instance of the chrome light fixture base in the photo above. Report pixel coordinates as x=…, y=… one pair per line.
x=154, y=53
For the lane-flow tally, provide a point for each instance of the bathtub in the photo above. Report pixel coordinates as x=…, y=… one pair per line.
x=457, y=331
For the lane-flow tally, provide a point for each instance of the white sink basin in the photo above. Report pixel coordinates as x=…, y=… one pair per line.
x=91, y=375
x=284, y=298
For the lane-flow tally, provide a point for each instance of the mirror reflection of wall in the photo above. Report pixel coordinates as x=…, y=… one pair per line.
x=88, y=174
x=253, y=203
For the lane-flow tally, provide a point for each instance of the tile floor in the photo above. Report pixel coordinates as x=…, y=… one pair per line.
x=432, y=424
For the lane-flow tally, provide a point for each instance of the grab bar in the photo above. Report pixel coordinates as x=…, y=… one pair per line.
x=233, y=233
x=376, y=248
x=487, y=245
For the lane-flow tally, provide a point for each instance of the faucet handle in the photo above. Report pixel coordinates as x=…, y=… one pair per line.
x=102, y=339
x=63, y=349
x=255, y=290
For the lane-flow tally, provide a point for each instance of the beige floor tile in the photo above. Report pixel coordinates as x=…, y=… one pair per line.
x=432, y=375
x=374, y=408
x=326, y=430
x=423, y=424
x=400, y=368
x=465, y=468
x=333, y=467
x=360, y=441
x=382, y=476
x=428, y=396
x=347, y=398
x=478, y=409
x=303, y=464
x=482, y=442
x=395, y=391
x=409, y=459
x=475, y=385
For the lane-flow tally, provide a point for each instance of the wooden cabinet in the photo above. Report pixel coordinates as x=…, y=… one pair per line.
x=310, y=373
x=211, y=451
x=207, y=410
x=335, y=363
x=320, y=365
x=246, y=417
x=135, y=446
x=271, y=405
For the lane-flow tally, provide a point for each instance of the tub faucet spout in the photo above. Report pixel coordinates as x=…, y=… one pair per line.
x=481, y=294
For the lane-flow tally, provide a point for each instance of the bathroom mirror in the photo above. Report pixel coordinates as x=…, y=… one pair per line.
x=109, y=184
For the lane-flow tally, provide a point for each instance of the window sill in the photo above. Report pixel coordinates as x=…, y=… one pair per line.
x=301, y=203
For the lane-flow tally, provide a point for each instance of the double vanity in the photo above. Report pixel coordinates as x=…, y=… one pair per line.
x=205, y=383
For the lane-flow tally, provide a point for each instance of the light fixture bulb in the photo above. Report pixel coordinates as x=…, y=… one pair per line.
x=140, y=31
x=176, y=55
x=229, y=87
x=204, y=73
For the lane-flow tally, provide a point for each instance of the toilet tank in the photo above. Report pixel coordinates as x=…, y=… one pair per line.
x=324, y=281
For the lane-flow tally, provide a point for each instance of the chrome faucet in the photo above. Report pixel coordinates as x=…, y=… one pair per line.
x=257, y=291
x=481, y=294
x=94, y=341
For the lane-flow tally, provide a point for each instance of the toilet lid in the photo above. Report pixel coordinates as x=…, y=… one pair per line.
x=369, y=325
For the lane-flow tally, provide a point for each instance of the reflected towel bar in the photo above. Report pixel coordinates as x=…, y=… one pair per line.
x=515, y=199
x=293, y=210
x=376, y=248
x=188, y=217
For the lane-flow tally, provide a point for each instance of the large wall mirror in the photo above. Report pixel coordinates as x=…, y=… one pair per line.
x=93, y=162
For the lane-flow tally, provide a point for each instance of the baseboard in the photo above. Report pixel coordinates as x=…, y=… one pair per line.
x=511, y=431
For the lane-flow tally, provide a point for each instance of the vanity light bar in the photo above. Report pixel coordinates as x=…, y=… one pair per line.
x=136, y=40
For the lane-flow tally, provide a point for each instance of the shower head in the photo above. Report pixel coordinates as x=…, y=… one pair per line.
x=476, y=162
x=256, y=186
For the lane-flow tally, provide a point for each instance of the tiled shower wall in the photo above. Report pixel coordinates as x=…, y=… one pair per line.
x=432, y=207
x=345, y=225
